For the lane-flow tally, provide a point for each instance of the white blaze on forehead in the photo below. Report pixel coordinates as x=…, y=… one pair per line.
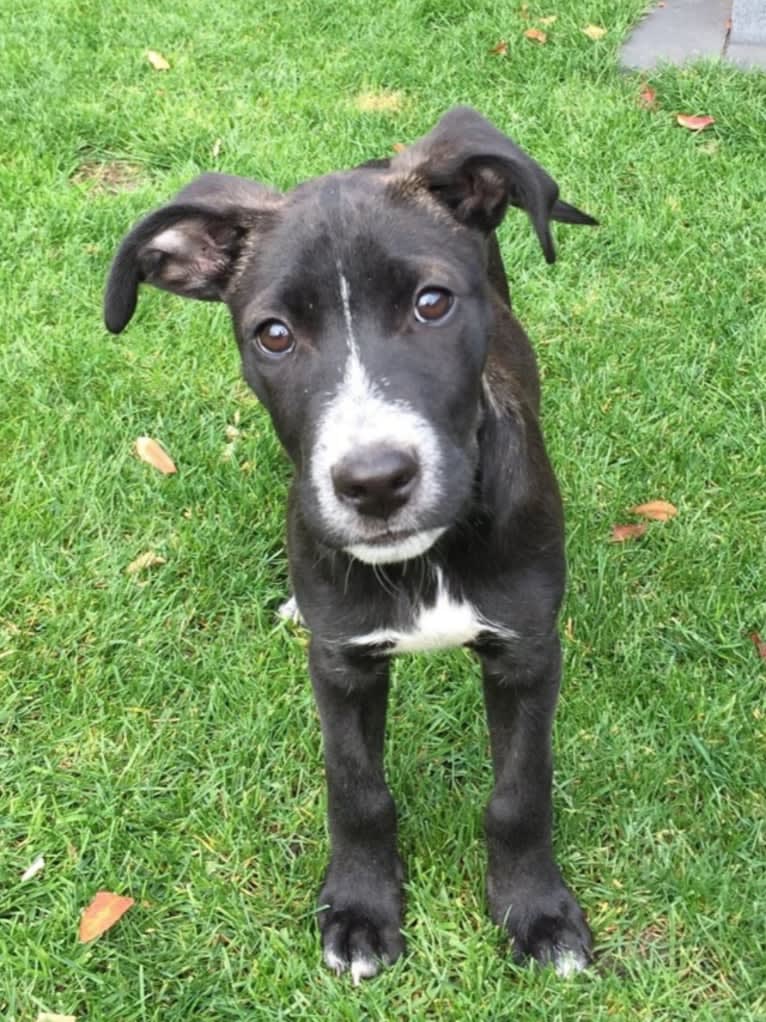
x=358, y=415
x=345, y=297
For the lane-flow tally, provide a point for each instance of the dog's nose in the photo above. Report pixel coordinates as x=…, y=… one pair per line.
x=376, y=480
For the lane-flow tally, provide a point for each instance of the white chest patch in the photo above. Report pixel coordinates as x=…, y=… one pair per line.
x=442, y=625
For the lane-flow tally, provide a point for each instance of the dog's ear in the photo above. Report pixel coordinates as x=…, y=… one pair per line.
x=476, y=171
x=190, y=246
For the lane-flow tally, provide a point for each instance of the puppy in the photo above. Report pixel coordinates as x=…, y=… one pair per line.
x=373, y=320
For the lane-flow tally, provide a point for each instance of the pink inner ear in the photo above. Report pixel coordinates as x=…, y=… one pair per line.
x=193, y=259
x=491, y=191
x=182, y=240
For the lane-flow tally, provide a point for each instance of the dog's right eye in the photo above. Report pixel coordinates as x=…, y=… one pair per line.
x=274, y=338
x=433, y=304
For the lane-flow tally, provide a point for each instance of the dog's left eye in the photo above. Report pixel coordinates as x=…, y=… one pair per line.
x=433, y=304
x=274, y=337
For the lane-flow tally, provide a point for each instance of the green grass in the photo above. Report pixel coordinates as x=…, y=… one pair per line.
x=158, y=732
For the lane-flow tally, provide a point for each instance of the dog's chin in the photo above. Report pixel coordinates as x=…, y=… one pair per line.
x=393, y=547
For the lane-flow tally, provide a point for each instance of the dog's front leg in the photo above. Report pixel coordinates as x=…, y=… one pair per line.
x=360, y=904
x=527, y=896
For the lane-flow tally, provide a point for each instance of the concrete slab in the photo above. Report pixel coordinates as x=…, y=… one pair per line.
x=748, y=23
x=679, y=31
x=748, y=56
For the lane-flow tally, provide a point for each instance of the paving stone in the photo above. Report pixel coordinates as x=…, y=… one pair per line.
x=748, y=56
x=680, y=31
x=748, y=22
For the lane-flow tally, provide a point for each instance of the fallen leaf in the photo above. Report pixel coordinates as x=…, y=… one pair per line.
x=647, y=97
x=34, y=869
x=157, y=61
x=398, y=147
x=657, y=510
x=759, y=643
x=147, y=560
x=500, y=48
x=379, y=102
x=51, y=1016
x=569, y=629
x=102, y=913
x=216, y=150
x=536, y=35
x=594, y=31
x=549, y=20
x=153, y=454
x=694, y=123
x=622, y=532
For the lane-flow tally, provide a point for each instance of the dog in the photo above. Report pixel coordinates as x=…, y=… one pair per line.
x=374, y=322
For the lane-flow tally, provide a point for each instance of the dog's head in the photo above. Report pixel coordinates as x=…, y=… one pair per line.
x=360, y=305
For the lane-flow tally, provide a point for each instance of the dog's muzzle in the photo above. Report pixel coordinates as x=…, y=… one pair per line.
x=376, y=481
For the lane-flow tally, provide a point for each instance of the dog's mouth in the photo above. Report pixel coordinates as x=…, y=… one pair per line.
x=390, y=536
x=391, y=545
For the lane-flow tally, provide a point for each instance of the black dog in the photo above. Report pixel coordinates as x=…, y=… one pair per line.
x=373, y=320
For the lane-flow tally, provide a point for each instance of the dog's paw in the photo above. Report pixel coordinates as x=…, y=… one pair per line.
x=550, y=929
x=353, y=942
x=289, y=611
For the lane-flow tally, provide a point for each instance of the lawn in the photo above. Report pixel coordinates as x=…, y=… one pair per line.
x=158, y=733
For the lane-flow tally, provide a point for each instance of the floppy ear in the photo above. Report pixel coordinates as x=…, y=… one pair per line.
x=477, y=172
x=190, y=246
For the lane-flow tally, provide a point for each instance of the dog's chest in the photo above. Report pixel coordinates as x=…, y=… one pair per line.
x=443, y=622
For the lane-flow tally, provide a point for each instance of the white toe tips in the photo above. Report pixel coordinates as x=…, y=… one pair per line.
x=289, y=611
x=568, y=963
x=362, y=968
x=334, y=962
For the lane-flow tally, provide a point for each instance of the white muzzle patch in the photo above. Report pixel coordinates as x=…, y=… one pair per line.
x=358, y=415
x=397, y=550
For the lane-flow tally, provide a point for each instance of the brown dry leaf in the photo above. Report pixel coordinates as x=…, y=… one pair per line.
x=500, y=48
x=759, y=643
x=102, y=913
x=647, y=97
x=594, y=31
x=657, y=510
x=157, y=61
x=536, y=35
x=694, y=122
x=398, y=147
x=379, y=102
x=147, y=560
x=52, y=1016
x=550, y=20
x=153, y=454
x=622, y=532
